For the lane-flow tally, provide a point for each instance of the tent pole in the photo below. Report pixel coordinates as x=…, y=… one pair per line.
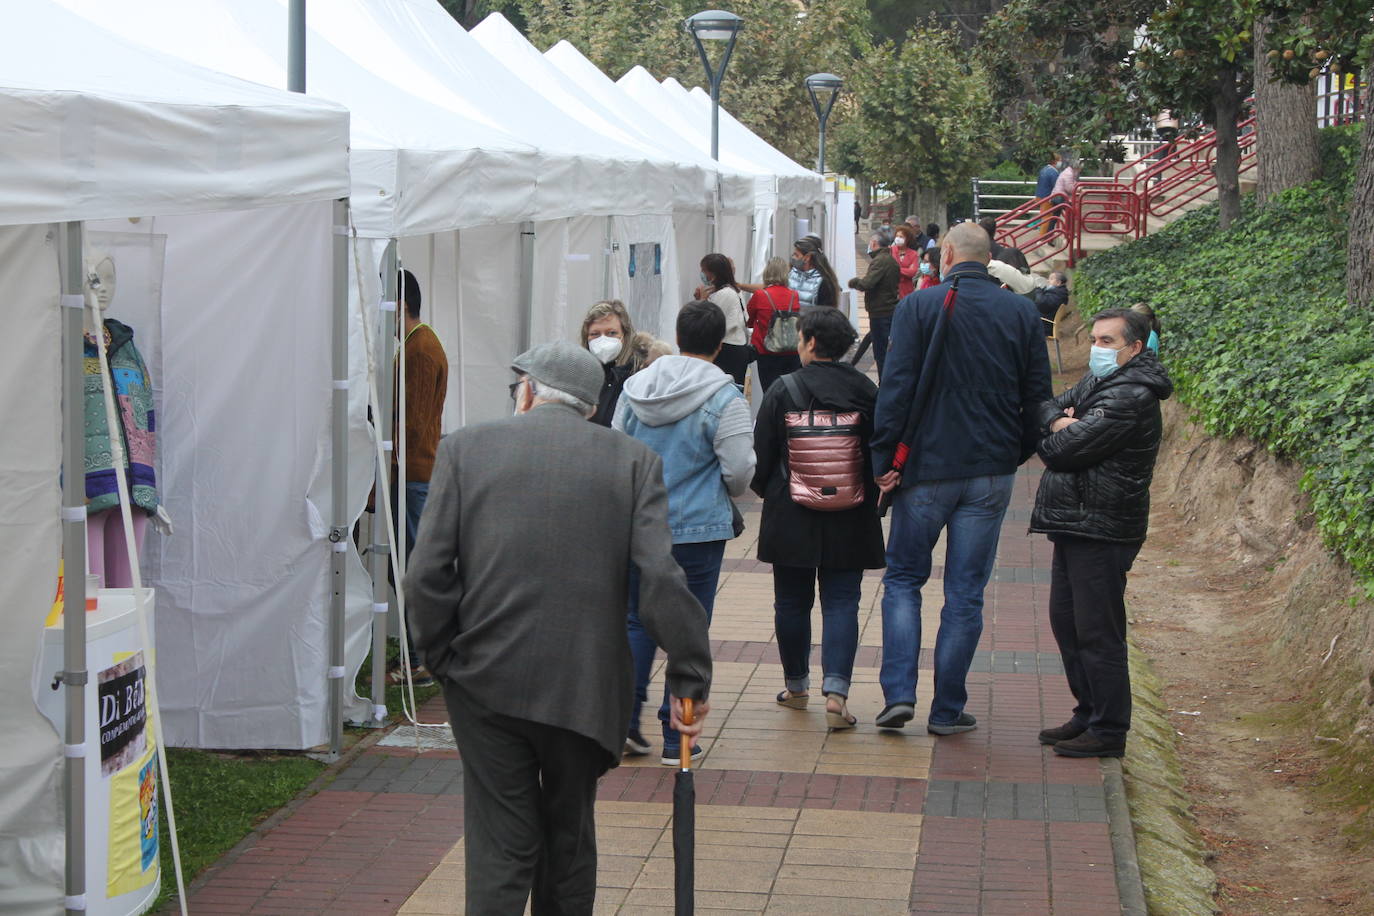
x=526, y=285
x=380, y=549
x=338, y=530
x=606, y=260
x=74, y=673
x=295, y=46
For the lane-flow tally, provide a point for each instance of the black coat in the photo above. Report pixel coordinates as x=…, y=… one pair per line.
x=1097, y=479
x=610, y=393
x=793, y=535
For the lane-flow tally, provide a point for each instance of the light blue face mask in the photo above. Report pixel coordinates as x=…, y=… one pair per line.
x=705, y=280
x=1153, y=342
x=1102, y=361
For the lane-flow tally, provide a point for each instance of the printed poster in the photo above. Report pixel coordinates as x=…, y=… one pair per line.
x=123, y=714
x=133, y=849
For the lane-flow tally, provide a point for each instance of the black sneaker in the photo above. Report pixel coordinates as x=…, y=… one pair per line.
x=895, y=715
x=672, y=756
x=965, y=723
x=1090, y=745
x=1066, y=732
x=635, y=745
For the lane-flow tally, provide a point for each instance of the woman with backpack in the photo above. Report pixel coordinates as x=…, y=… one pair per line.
x=820, y=525
x=773, y=315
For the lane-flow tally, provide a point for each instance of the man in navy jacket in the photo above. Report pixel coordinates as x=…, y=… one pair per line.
x=979, y=425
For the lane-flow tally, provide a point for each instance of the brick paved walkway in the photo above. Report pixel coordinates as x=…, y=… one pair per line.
x=791, y=819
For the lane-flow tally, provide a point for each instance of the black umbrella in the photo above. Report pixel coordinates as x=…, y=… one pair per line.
x=685, y=826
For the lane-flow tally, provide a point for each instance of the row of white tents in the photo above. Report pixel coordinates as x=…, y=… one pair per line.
x=519, y=186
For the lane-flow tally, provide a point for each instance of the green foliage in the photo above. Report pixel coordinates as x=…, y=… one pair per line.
x=763, y=86
x=1261, y=341
x=1307, y=36
x=924, y=116
x=1339, y=149
x=219, y=798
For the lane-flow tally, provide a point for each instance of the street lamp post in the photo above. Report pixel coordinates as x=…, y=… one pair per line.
x=714, y=25
x=819, y=86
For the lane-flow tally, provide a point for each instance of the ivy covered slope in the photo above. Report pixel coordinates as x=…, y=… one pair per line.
x=1261, y=340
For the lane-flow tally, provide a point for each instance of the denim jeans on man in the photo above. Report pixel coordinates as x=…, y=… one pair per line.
x=794, y=594
x=971, y=511
x=416, y=494
x=700, y=562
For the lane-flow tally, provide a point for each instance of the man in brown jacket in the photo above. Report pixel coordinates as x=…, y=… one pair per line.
x=879, y=287
x=517, y=593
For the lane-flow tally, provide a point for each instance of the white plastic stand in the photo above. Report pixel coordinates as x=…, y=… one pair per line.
x=111, y=636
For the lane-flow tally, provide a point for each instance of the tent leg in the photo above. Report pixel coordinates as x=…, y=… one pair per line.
x=606, y=259
x=526, y=285
x=338, y=529
x=74, y=674
x=380, y=550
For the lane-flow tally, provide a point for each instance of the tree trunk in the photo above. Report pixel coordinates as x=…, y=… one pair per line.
x=931, y=207
x=1359, y=271
x=1226, y=109
x=865, y=193
x=1286, y=119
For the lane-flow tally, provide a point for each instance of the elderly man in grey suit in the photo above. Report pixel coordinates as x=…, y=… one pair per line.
x=517, y=592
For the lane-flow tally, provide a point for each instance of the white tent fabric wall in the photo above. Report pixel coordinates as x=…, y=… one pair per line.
x=31, y=838
x=244, y=446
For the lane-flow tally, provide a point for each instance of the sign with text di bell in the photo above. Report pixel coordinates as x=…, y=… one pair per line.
x=123, y=714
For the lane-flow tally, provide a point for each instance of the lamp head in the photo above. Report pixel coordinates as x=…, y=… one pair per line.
x=714, y=25
x=822, y=82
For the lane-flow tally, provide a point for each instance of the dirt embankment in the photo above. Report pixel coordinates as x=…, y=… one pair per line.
x=1266, y=650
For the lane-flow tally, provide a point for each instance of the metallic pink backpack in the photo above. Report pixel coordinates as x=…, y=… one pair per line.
x=824, y=454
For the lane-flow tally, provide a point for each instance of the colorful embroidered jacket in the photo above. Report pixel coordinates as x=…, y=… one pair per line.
x=133, y=393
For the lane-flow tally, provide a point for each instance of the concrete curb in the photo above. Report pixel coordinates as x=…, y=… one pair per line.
x=1128, y=883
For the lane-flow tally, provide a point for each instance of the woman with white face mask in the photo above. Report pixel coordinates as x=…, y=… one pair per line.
x=606, y=332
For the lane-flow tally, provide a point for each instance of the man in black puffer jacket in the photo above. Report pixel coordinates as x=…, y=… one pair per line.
x=1099, y=442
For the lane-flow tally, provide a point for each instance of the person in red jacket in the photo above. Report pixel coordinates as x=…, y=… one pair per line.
x=908, y=256
x=774, y=296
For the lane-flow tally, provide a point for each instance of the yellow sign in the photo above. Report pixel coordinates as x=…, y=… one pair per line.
x=133, y=849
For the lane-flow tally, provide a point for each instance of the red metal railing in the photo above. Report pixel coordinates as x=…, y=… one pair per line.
x=1184, y=170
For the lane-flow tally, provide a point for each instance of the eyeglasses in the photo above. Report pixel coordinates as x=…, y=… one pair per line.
x=515, y=387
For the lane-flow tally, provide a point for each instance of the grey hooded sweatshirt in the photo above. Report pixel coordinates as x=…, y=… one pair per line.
x=679, y=406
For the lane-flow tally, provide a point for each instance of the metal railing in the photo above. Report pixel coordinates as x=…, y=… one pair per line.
x=992, y=189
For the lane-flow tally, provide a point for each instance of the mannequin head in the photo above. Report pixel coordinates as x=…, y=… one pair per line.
x=100, y=280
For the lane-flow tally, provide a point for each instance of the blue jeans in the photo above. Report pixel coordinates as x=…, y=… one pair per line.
x=416, y=494
x=972, y=511
x=794, y=594
x=701, y=564
x=880, y=327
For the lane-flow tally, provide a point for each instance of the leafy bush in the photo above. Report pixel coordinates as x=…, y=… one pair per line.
x=1261, y=341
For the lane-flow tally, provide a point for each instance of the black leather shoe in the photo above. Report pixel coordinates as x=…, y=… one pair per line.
x=1066, y=732
x=965, y=723
x=1090, y=745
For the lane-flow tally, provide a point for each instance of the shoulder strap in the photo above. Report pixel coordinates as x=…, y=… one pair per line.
x=795, y=389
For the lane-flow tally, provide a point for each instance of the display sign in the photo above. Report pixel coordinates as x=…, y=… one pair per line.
x=123, y=714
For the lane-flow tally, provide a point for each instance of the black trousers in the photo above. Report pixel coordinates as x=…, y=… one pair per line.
x=1088, y=618
x=734, y=360
x=528, y=822
x=769, y=367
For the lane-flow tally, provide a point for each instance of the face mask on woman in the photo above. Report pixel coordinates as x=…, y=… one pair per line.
x=925, y=268
x=899, y=242
x=605, y=349
x=705, y=280
x=799, y=264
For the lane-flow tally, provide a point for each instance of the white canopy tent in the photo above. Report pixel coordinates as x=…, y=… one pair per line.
x=86, y=122
x=498, y=199
x=735, y=221
x=772, y=237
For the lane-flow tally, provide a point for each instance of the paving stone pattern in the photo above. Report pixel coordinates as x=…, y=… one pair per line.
x=791, y=818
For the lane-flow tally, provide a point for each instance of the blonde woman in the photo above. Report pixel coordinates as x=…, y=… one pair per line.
x=606, y=332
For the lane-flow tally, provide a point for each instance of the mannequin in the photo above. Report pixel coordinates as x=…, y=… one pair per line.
x=107, y=551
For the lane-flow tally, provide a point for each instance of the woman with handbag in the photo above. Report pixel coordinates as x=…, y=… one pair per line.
x=820, y=525
x=719, y=286
x=773, y=315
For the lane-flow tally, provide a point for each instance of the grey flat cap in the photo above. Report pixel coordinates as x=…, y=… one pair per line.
x=564, y=366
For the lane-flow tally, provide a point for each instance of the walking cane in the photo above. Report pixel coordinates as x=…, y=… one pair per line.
x=684, y=827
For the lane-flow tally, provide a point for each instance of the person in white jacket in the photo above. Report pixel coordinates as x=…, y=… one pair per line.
x=690, y=412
